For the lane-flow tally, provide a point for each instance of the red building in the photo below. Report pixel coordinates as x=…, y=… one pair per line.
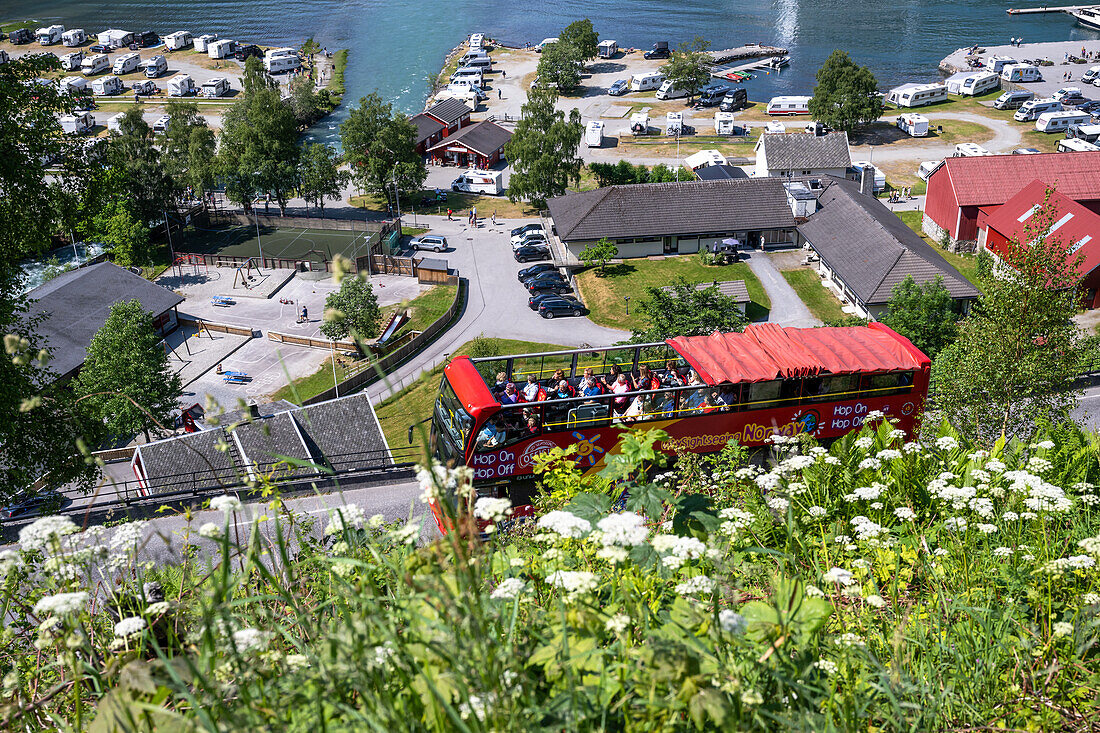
x=452, y=113
x=964, y=191
x=429, y=131
x=481, y=145
x=1075, y=227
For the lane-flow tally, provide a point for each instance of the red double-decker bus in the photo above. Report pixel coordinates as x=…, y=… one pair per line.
x=704, y=391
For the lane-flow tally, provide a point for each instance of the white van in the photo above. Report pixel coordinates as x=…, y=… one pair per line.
x=77, y=124
x=126, y=63
x=107, y=85
x=545, y=42
x=969, y=150
x=996, y=63
x=669, y=90
x=593, y=134
x=1067, y=92
x=214, y=88
x=475, y=181
x=705, y=158
x=221, y=48
x=155, y=66
x=913, y=125
x=917, y=95
x=789, y=106
x=71, y=61
x=181, y=86
x=927, y=167
x=73, y=37
x=203, y=42
x=1059, y=121
x=1030, y=111
x=73, y=84
x=471, y=55
x=639, y=123
x=281, y=64
x=1076, y=145
x=1021, y=73
x=50, y=35
x=480, y=62
x=176, y=41
x=477, y=40
x=646, y=81
x=466, y=72
x=95, y=64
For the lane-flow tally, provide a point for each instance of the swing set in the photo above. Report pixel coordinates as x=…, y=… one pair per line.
x=244, y=273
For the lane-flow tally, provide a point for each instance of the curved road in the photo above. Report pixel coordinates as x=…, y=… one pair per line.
x=1005, y=138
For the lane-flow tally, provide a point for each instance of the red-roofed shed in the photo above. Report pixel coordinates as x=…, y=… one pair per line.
x=964, y=191
x=1075, y=226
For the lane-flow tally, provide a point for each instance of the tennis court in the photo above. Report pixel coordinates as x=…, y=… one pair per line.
x=276, y=243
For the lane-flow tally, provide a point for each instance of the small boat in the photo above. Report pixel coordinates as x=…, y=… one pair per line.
x=1088, y=17
x=777, y=62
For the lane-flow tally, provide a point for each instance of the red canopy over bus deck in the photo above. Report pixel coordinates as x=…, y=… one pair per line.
x=768, y=351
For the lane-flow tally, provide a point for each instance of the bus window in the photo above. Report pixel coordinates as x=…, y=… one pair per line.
x=589, y=414
x=764, y=395
x=790, y=390
x=655, y=357
x=623, y=357
x=881, y=385
x=490, y=369
x=837, y=387
x=522, y=366
x=694, y=401
x=553, y=363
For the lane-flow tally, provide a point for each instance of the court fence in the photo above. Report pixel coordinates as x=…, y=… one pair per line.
x=287, y=338
x=218, y=327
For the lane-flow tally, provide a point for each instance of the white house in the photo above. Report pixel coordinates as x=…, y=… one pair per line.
x=802, y=154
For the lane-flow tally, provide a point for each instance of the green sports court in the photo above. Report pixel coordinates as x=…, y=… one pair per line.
x=276, y=243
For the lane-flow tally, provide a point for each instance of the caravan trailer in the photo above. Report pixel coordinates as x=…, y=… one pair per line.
x=181, y=86
x=1076, y=145
x=705, y=158
x=646, y=82
x=1021, y=73
x=969, y=150
x=176, y=41
x=1031, y=109
x=917, y=95
x=77, y=124
x=107, y=85
x=214, y=88
x=115, y=38
x=95, y=64
x=997, y=63
x=71, y=61
x=50, y=35
x=973, y=83
x=1061, y=121
x=593, y=134
x=203, y=42
x=114, y=124
x=789, y=106
x=279, y=60
x=126, y=63
x=725, y=123
x=74, y=37
x=913, y=125
x=1088, y=133
x=927, y=167
x=669, y=90
x=477, y=40
x=607, y=49
x=73, y=85
x=475, y=181
x=221, y=48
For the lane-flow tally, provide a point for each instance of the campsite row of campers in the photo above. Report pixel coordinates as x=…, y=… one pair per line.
x=972, y=83
x=917, y=95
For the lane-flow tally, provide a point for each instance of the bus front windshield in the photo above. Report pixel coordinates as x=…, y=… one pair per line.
x=451, y=426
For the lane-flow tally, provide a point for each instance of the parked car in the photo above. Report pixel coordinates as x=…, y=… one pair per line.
x=1091, y=107
x=41, y=502
x=530, y=239
x=619, y=87
x=659, y=51
x=548, y=276
x=536, y=300
x=145, y=39
x=98, y=48
x=550, y=286
x=434, y=242
x=520, y=231
x=529, y=234
x=535, y=269
x=244, y=53
x=161, y=123
x=532, y=253
x=1075, y=100
x=561, y=307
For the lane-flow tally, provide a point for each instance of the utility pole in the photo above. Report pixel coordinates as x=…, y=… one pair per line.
x=335, y=382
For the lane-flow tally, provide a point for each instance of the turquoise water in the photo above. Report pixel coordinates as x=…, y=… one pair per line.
x=397, y=44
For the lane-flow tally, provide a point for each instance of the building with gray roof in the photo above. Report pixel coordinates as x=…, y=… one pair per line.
x=793, y=154
x=480, y=145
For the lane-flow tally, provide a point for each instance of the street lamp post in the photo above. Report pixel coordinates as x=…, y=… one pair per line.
x=335, y=382
x=627, y=299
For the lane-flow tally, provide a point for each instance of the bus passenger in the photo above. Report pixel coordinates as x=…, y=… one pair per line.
x=509, y=396
x=559, y=375
x=491, y=435
x=726, y=396
x=564, y=391
x=502, y=379
x=621, y=387
x=591, y=386
x=647, y=379
x=697, y=398
x=613, y=377
x=531, y=389
x=533, y=425
x=671, y=377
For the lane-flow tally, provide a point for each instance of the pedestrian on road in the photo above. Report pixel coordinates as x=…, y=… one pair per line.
x=503, y=74
x=449, y=217
x=498, y=94
x=494, y=218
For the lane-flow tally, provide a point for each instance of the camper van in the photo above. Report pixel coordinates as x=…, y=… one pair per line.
x=475, y=181
x=1076, y=145
x=545, y=42
x=73, y=84
x=1060, y=121
x=480, y=62
x=639, y=123
x=464, y=87
x=216, y=87
x=969, y=150
x=917, y=95
x=71, y=61
x=705, y=158
x=474, y=76
x=176, y=41
x=50, y=35
x=593, y=134
x=1088, y=133
x=1091, y=75
x=1012, y=100
x=734, y=100
x=281, y=63
x=647, y=81
x=913, y=125
x=1021, y=73
x=114, y=124
x=74, y=37
x=712, y=95
x=471, y=55
x=669, y=90
x=724, y=123
x=1032, y=109
x=107, y=85
x=115, y=38
x=978, y=82
x=77, y=124
x=607, y=49
x=927, y=167
x=674, y=123
x=155, y=66
x=477, y=40
x=126, y=63
x=997, y=63
x=878, y=177
x=95, y=64
x=181, y=86
x=202, y=43
x=221, y=48
x=789, y=106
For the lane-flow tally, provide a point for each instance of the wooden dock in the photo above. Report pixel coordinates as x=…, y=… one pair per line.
x=749, y=51
x=1049, y=9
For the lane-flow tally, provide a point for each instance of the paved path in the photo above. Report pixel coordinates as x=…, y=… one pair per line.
x=787, y=308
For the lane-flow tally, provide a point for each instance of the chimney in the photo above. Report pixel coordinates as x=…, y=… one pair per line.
x=254, y=411
x=867, y=181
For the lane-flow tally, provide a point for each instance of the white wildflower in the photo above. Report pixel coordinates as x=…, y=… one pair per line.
x=889, y=454
x=564, y=524
x=851, y=640
x=698, y=585
x=1091, y=599
x=617, y=624
x=751, y=698
x=614, y=555
x=838, y=575
x=1044, y=445
x=912, y=448
x=406, y=535
x=832, y=460
x=157, y=609
x=688, y=548
x=870, y=464
x=1061, y=628
x=731, y=621
x=346, y=517
x=250, y=639
x=875, y=601
x=1039, y=465
x=777, y=504
x=210, y=531
x=995, y=466
x=816, y=511
x=827, y=666
x=873, y=415
x=864, y=442
x=905, y=514
x=128, y=627
x=508, y=590
x=45, y=531
x=626, y=529
x=61, y=604
x=573, y=582
x=947, y=442
x=1002, y=552
x=491, y=509
x=957, y=524
x=940, y=552
x=842, y=539
x=1065, y=564
x=814, y=592
x=1090, y=545
x=376, y=521
x=1010, y=516
x=226, y=503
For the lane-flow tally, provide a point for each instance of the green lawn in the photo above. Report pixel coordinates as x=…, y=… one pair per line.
x=414, y=403
x=820, y=300
x=967, y=265
x=303, y=388
x=460, y=203
x=605, y=295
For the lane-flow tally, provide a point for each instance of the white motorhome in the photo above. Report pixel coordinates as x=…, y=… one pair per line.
x=107, y=85
x=1031, y=109
x=878, y=177
x=179, y=39
x=639, y=123
x=463, y=87
x=607, y=49
x=674, y=123
x=1076, y=145
x=95, y=64
x=917, y=95
x=973, y=83
x=282, y=63
x=775, y=127
x=913, y=124
x=593, y=134
x=646, y=81
x=73, y=84
x=475, y=181
x=467, y=95
x=466, y=72
x=1021, y=73
x=545, y=42
x=969, y=150
x=477, y=40
x=927, y=167
x=996, y=63
x=115, y=38
x=202, y=43
x=669, y=90
x=71, y=61
x=77, y=124
x=1060, y=121
x=789, y=106
x=1088, y=133
x=126, y=63
x=471, y=55
x=181, y=86
x=49, y=35
x=216, y=87
x=704, y=158
x=221, y=48
x=155, y=66
x=73, y=37
x=724, y=123
x=114, y=124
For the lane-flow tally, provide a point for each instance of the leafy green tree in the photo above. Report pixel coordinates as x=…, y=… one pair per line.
x=689, y=66
x=924, y=314
x=599, y=254
x=582, y=36
x=352, y=311
x=255, y=78
x=846, y=94
x=117, y=226
x=150, y=189
x=1016, y=357
x=189, y=149
x=321, y=176
x=303, y=100
x=259, y=147
x=560, y=66
x=687, y=311
x=126, y=382
x=380, y=146
x=543, y=149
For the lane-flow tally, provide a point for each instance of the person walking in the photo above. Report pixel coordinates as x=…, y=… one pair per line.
x=498, y=94
x=503, y=73
x=494, y=218
x=449, y=213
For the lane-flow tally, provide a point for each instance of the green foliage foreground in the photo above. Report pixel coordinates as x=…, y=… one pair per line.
x=877, y=585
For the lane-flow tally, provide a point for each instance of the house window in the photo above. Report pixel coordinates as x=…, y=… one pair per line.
x=806, y=173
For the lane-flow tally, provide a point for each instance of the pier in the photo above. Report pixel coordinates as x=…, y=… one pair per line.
x=1049, y=9
x=748, y=51
x=1054, y=51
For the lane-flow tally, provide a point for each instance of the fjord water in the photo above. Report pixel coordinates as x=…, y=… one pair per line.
x=397, y=44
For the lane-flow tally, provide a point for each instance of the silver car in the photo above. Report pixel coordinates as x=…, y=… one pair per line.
x=434, y=242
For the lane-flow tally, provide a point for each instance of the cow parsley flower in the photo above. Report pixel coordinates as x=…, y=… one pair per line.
x=250, y=639
x=698, y=585
x=870, y=464
x=947, y=442
x=61, y=604
x=731, y=621
x=157, y=609
x=1090, y=545
x=1044, y=445
x=827, y=666
x=987, y=528
x=873, y=415
x=508, y=590
x=814, y=592
x=564, y=524
x=995, y=466
x=348, y=516
x=689, y=548
x=957, y=524
x=406, y=535
x=1010, y=516
x=1061, y=629
x=226, y=503
x=888, y=454
x=1002, y=552
x=838, y=575
x=816, y=511
x=875, y=601
x=851, y=640
x=905, y=514
x=1039, y=465
x=751, y=698
x=128, y=627
x=573, y=582
x=1091, y=599
x=614, y=555
x=626, y=529
x=617, y=624
x=45, y=531
x=1063, y=565
x=491, y=509
x=864, y=442
x=209, y=530
x=912, y=448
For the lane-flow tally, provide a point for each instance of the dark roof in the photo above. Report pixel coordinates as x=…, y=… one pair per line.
x=448, y=111
x=659, y=209
x=425, y=126
x=326, y=428
x=431, y=263
x=871, y=249
x=720, y=173
x=78, y=302
x=482, y=137
x=993, y=179
x=189, y=462
x=264, y=444
x=804, y=150
x=735, y=289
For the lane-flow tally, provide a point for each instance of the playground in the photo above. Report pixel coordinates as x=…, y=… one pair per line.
x=273, y=247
